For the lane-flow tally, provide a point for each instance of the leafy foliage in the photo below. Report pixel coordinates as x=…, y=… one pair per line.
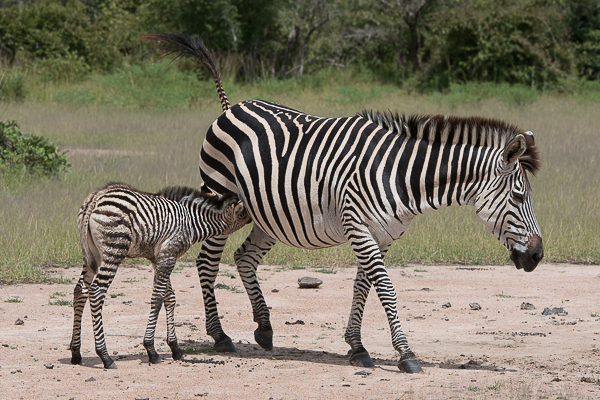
x=30, y=153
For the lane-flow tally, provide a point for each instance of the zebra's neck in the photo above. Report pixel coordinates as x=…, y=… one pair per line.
x=203, y=222
x=439, y=175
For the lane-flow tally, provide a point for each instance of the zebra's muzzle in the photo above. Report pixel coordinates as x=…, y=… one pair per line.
x=530, y=258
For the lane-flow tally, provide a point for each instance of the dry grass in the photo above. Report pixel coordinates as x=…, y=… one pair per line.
x=151, y=149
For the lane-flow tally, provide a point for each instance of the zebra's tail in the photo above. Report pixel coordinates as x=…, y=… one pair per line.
x=85, y=240
x=179, y=45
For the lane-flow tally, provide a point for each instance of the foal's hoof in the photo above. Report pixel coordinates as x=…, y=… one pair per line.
x=225, y=345
x=154, y=358
x=264, y=339
x=361, y=359
x=177, y=354
x=410, y=366
x=110, y=365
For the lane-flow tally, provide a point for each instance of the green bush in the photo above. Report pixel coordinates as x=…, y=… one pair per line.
x=29, y=153
x=12, y=85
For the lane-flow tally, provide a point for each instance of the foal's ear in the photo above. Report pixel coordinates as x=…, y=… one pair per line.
x=239, y=212
x=514, y=149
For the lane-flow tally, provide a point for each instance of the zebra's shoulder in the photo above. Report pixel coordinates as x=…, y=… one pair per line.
x=208, y=198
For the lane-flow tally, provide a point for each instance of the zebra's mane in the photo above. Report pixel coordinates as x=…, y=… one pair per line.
x=476, y=130
x=212, y=200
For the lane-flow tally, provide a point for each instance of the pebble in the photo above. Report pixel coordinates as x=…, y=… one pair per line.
x=90, y=379
x=298, y=322
x=587, y=379
x=49, y=365
x=19, y=321
x=308, y=282
x=275, y=291
x=363, y=372
x=446, y=305
x=527, y=306
x=555, y=310
x=475, y=306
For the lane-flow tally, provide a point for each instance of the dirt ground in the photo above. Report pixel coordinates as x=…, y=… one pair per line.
x=500, y=351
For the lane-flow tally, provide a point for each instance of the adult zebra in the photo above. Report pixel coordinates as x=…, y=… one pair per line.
x=313, y=182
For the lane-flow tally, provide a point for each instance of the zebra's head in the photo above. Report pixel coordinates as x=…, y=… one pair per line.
x=505, y=204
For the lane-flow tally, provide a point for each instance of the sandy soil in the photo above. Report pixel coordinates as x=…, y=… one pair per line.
x=499, y=351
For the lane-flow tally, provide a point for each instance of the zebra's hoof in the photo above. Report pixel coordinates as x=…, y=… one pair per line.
x=225, y=346
x=110, y=365
x=361, y=359
x=264, y=339
x=76, y=359
x=177, y=354
x=411, y=366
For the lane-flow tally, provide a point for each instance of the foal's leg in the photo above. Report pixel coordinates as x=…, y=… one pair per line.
x=98, y=289
x=80, y=295
x=162, y=273
x=170, y=310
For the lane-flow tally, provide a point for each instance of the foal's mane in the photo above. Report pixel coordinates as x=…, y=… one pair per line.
x=177, y=193
x=481, y=131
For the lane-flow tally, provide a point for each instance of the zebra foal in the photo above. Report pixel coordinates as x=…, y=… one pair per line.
x=118, y=221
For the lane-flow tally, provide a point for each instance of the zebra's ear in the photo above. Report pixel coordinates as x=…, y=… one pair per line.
x=239, y=212
x=514, y=149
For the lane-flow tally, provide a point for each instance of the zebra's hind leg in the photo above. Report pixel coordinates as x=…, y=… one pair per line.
x=170, y=310
x=98, y=290
x=247, y=258
x=162, y=274
x=369, y=256
x=80, y=295
x=359, y=356
x=207, y=264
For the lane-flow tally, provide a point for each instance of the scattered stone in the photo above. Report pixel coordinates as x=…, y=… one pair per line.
x=275, y=291
x=557, y=379
x=201, y=394
x=556, y=310
x=42, y=330
x=527, y=306
x=345, y=384
x=426, y=289
x=115, y=352
x=91, y=379
x=4, y=345
x=384, y=379
x=470, y=364
x=19, y=321
x=128, y=302
x=475, y=306
x=588, y=379
x=233, y=276
x=307, y=282
x=363, y=372
x=446, y=305
x=49, y=365
x=113, y=296
x=298, y=322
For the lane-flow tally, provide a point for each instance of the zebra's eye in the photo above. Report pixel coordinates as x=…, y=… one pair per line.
x=518, y=196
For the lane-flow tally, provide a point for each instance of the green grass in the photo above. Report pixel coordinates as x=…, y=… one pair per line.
x=196, y=349
x=151, y=144
x=14, y=299
x=504, y=296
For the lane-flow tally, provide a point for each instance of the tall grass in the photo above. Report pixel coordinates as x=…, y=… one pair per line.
x=152, y=142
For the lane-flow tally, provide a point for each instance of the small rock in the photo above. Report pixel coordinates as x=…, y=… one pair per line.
x=4, y=345
x=588, y=379
x=345, y=384
x=363, y=372
x=113, y=296
x=446, y=305
x=42, y=329
x=232, y=277
x=307, y=282
x=557, y=379
x=475, y=306
x=275, y=291
x=49, y=365
x=298, y=322
x=470, y=364
x=384, y=379
x=527, y=306
x=91, y=379
x=426, y=289
x=115, y=352
x=201, y=394
x=555, y=310
x=19, y=321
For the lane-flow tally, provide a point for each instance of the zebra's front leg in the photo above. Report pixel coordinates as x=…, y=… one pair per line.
x=170, y=304
x=208, y=269
x=98, y=290
x=80, y=295
x=247, y=258
x=369, y=256
x=359, y=356
x=161, y=280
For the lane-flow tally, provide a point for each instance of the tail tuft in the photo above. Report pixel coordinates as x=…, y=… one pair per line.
x=179, y=45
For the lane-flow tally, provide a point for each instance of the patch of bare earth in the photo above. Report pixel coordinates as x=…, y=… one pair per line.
x=499, y=351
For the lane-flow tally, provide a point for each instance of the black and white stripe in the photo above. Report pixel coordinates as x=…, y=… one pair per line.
x=313, y=182
x=118, y=221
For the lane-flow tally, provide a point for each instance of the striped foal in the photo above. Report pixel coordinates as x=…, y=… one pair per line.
x=118, y=221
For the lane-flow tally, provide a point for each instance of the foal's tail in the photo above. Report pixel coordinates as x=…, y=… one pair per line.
x=180, y=45
x=85, y=240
